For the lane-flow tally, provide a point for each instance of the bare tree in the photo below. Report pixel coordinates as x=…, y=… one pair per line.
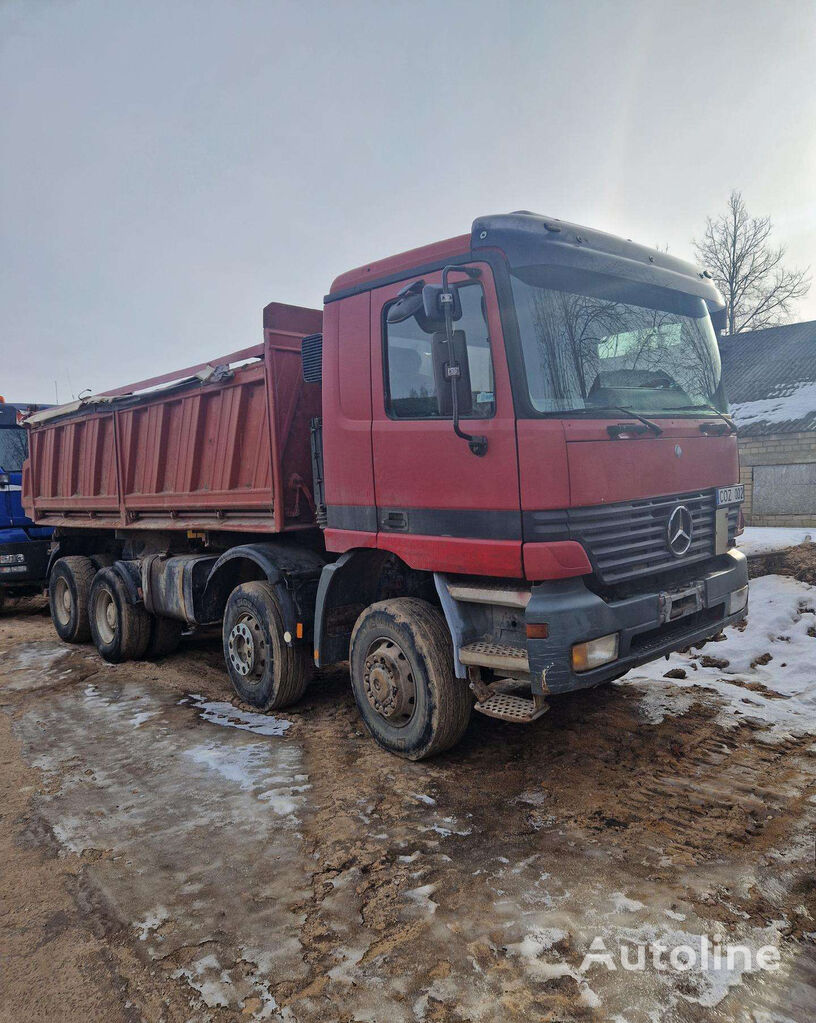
x=748, y=270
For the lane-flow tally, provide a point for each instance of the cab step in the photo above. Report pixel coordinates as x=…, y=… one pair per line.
x=484, y=654
x=517, y=709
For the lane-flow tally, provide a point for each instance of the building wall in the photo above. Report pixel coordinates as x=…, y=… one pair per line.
x=781, y=449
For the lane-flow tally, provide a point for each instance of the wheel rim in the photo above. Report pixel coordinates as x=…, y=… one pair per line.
x=106, y=617
x=388, y=682
x=63, y=602
x=247, y=649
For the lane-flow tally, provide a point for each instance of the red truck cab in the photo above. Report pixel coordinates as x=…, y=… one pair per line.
x=604, y=502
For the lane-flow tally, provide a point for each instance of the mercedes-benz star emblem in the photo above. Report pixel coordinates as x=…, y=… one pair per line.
x=678, y=531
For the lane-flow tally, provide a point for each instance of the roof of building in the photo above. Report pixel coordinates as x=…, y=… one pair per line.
x=770, y=378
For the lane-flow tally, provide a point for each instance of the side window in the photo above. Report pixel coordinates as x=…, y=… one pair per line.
x=415, y=387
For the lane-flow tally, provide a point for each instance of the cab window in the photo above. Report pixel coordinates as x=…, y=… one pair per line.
x=414, y=385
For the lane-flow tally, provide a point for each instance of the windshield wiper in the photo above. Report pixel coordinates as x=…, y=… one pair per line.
x=710, y=408
x=588, y=410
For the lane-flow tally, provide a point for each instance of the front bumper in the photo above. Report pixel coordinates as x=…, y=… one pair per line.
x=28, y=572
x=575, y=614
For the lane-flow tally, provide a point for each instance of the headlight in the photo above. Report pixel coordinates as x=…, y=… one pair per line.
x=737, y=600
x=595, y=652
x=12, y=559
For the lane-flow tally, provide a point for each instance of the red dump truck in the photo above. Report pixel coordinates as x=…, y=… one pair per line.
x=494, y=469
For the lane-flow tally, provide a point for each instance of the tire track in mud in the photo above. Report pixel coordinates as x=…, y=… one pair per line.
x=686, y=794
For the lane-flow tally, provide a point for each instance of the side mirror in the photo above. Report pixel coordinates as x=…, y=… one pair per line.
x=451, y=369
x=719, y=321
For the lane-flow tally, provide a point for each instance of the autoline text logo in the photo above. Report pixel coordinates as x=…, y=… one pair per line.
x=707, y=955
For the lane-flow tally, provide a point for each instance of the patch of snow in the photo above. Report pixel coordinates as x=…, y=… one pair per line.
x=781, y=614
x=767, y=539
x=152, y=922
x=219, y=712
x=800, y=401
x=623, y=904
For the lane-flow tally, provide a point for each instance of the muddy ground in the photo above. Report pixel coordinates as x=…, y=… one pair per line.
x=165, y=856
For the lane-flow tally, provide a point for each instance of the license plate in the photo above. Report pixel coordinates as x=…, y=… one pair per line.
x=730, y=495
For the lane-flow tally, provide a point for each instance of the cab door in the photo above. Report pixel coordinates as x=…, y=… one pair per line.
x=439, y=506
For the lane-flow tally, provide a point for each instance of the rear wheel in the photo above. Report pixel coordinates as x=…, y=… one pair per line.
x=120, y=630
x=265, y=671
x=403, y=679
x=69, y=587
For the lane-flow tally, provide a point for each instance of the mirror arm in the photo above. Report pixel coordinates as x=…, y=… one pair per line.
x=477, y=444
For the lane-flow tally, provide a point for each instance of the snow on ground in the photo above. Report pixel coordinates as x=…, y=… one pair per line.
x=767, y=539
x=784, y=408
x=765, y=670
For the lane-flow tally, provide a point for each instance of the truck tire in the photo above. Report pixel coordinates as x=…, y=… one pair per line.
x=120, y=631
x=403, y=679
x=265, y=671
x=69, y=587
x=165, y=636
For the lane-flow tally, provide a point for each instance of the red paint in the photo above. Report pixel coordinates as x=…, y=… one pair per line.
x=562, y=559
x=463, y=556
x=423, y=464
x=450, y=248
x=231, y=455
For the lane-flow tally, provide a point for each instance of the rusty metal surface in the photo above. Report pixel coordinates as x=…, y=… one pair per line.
x=230, y=452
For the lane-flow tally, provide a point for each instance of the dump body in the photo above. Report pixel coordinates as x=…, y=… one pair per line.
x=212, y=447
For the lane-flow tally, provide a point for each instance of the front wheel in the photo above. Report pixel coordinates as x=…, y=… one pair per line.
x=266, y=672
x=403, y=679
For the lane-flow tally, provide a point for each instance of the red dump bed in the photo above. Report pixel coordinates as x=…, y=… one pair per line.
x=205, y=448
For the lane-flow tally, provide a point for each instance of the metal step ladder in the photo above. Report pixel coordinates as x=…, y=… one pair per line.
x=484, y=654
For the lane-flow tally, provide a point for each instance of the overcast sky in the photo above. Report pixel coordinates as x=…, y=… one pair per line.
x=170, y=167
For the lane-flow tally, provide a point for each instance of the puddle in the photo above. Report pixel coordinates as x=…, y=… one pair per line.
x=31, y=666
x=197, y=809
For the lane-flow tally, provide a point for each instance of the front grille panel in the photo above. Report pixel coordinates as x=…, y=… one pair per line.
x=628, y=539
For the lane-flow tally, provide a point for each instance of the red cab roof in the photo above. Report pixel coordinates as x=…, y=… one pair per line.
x=449, y=248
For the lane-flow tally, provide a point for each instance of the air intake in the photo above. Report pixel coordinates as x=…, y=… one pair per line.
x=311, y=353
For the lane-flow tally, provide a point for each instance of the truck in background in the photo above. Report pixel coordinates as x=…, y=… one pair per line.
x=23, y=545
x=493, y=470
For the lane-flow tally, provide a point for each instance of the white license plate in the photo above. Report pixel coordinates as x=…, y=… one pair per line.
x=730, y=495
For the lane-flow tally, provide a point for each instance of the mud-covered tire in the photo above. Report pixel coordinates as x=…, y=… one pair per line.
x=69, y=587
x=120, y=630
x=165, y=636
x=266, y=672
x=410, y=637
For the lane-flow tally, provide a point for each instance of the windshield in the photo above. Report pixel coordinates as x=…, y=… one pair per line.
x=13, y=448
x=593, y=342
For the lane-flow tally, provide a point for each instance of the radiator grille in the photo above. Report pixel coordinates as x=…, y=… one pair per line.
x=628, y=540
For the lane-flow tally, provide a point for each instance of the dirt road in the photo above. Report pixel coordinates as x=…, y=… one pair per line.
x=166, y=856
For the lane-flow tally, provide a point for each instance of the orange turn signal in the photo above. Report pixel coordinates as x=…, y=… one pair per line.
x=538, y=631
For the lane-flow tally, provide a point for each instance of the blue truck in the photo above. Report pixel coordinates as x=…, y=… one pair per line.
x=24, y=547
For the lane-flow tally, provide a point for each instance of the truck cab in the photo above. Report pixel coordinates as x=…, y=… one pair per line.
x=23, y=545
x=534, y=413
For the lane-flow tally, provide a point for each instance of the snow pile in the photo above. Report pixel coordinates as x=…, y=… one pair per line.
x=800, y=401
x=767, y=539
x=765, y=671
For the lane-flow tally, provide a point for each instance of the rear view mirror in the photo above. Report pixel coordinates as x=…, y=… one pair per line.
x=452, y=368
x=408, y=304
x=719, y=320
